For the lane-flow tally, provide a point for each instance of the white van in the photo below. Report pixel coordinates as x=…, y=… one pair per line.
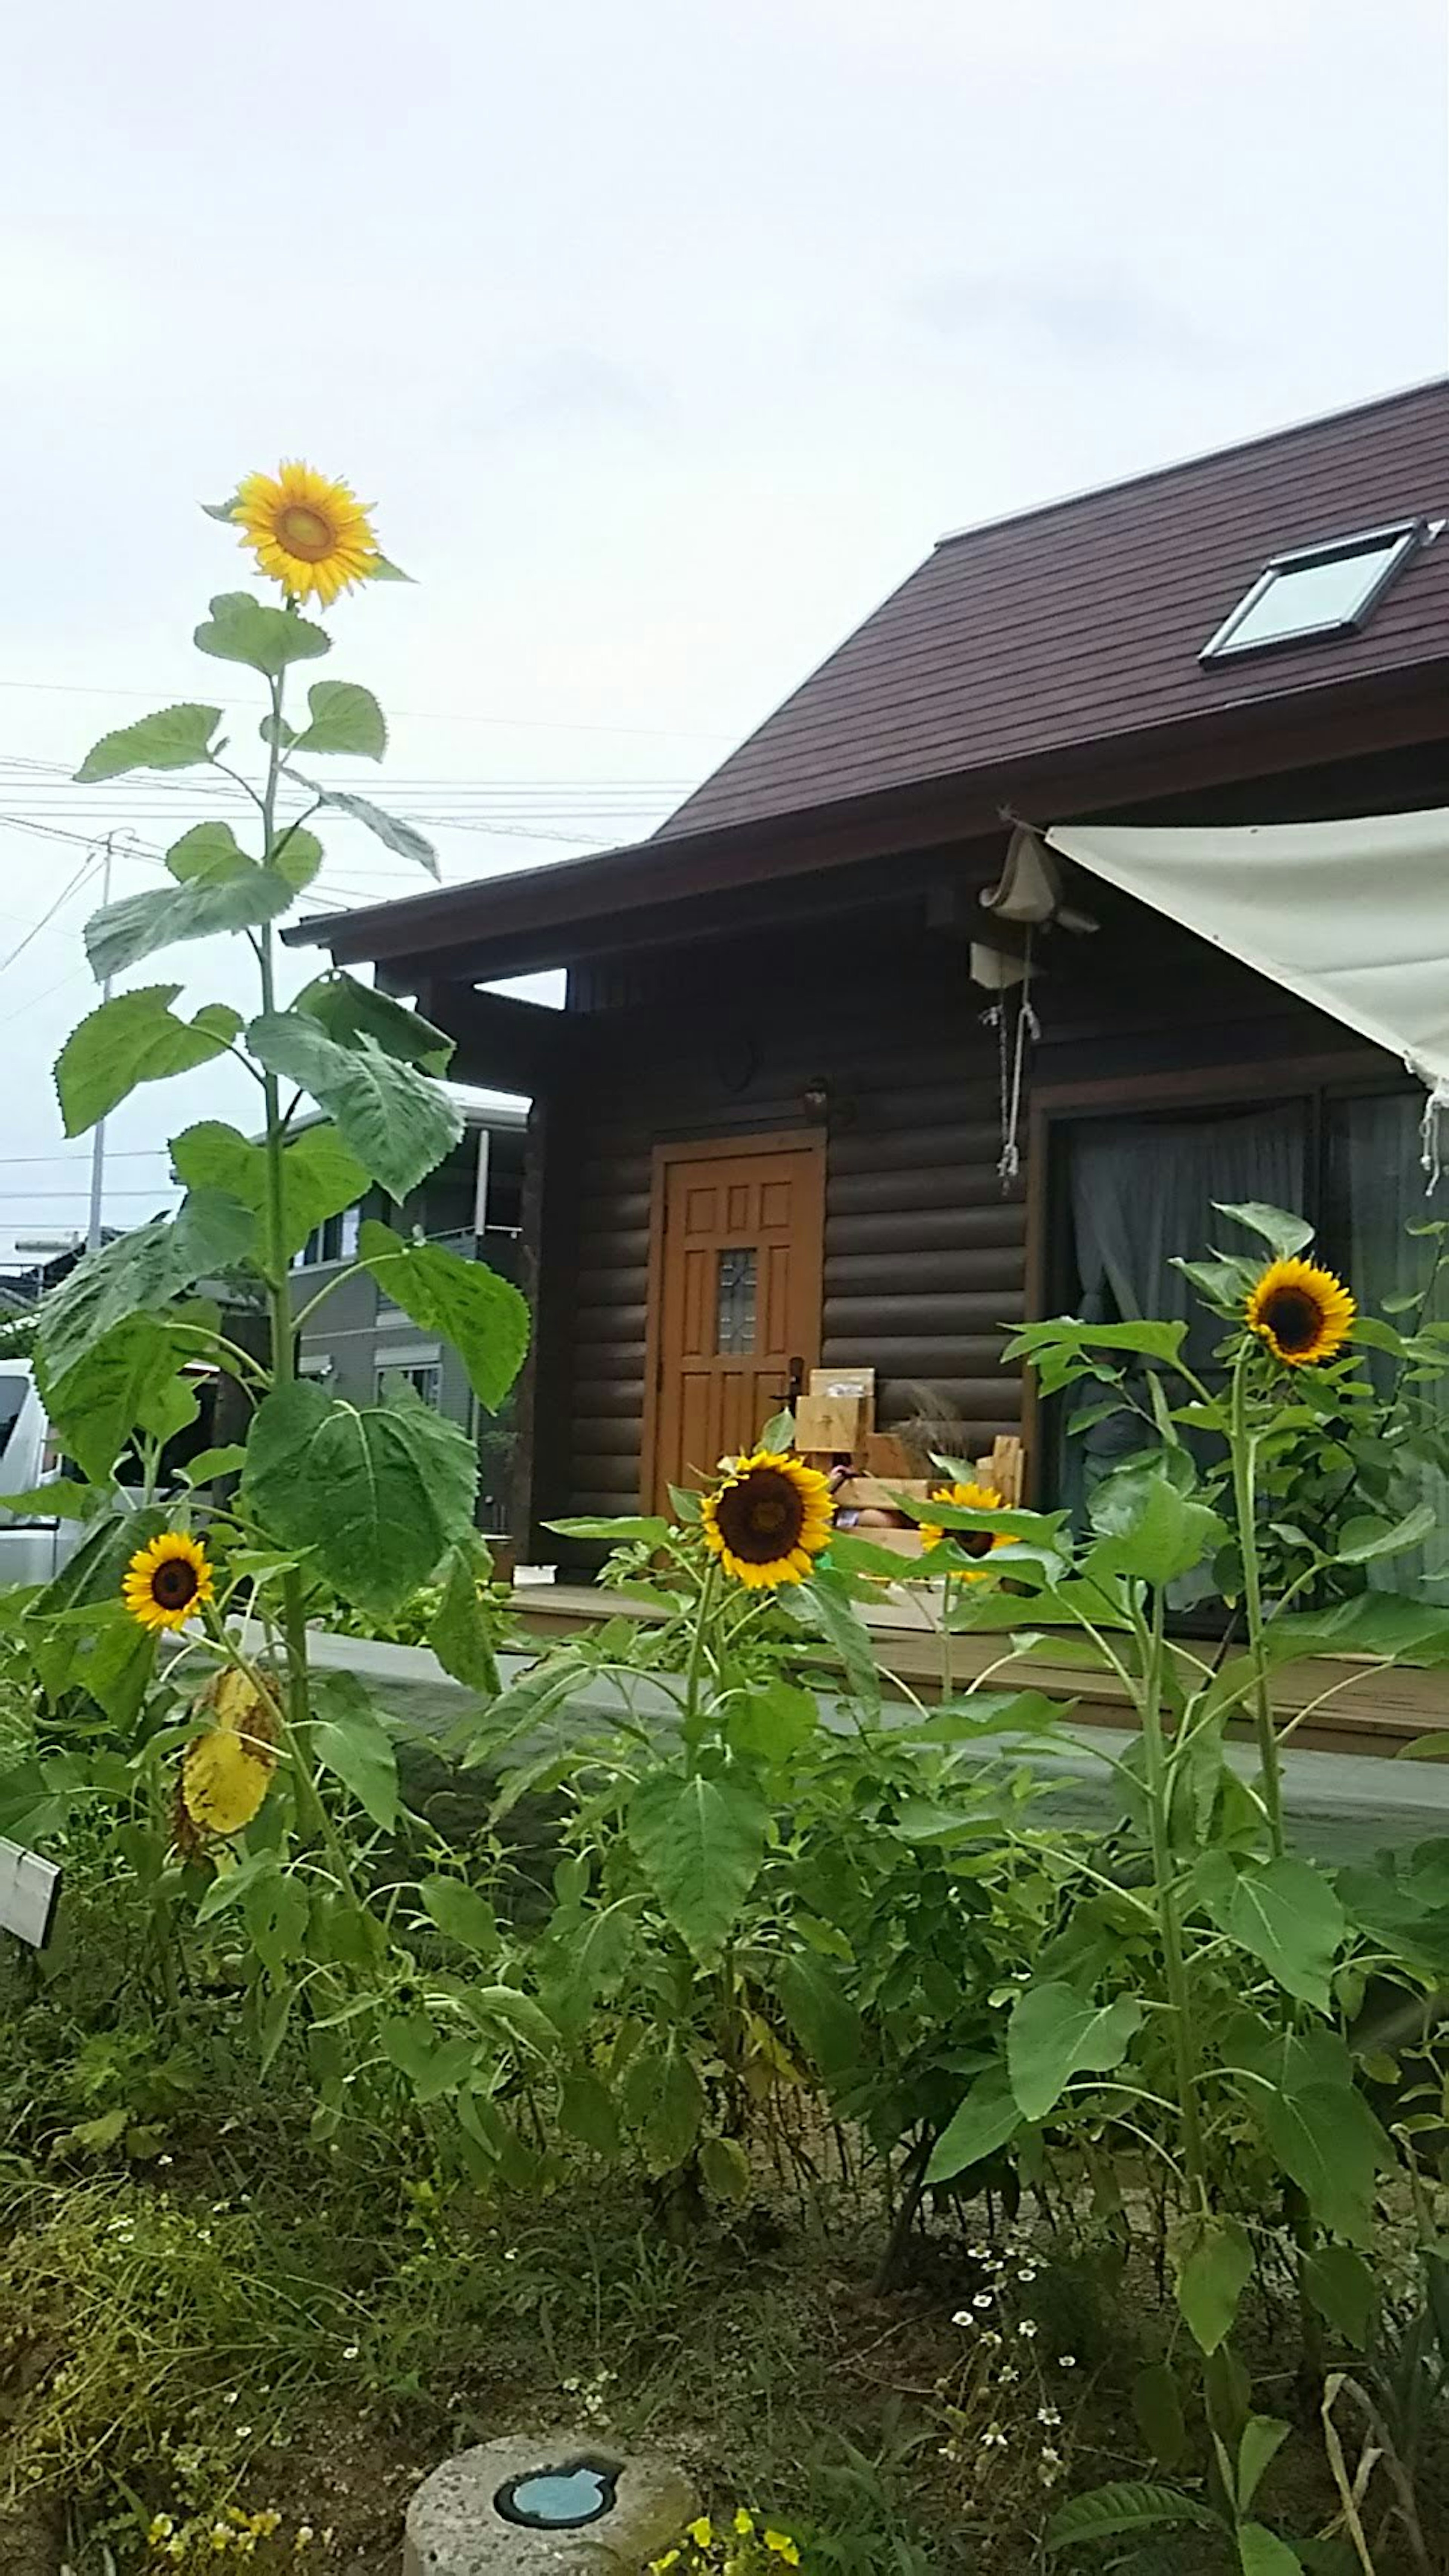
x=32, y=1548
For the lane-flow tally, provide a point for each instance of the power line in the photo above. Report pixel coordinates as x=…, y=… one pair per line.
x=63, y=897
x=414, y=715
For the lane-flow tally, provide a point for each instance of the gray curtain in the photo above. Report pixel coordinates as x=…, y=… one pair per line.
x=1378, y=1190
x=1143, y=1190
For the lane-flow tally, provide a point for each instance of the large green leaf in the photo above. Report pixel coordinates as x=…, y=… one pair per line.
x=319, y=1176
x=134, y=1038
x=824, y=1599
x=345, y=718
x=1215, y=2265
x=986, y=2119
x=139, y=1272
x=123, y=933
x=174, y=738
x=1403, y=1903
x=350, y=1740
x=102, y=1397
x=401, y=838
x=1104, y=2513
x=460, y=1635
x=379, y=1492
x=207, y=852
x=1319, y=2127
x=1364, y=1540
x=1262, y=2553
x=296, y=855
x=818, y=2007
x=1055, y=2033
x=351, y=1012
x=1284, y=1233
x=462, y=1914
x=1344, y=2288
x=395, y=1121
x=1166, y=1536
x=1285, y=1912
x=243, y=629
x=700, y=1843
x=483, y=1316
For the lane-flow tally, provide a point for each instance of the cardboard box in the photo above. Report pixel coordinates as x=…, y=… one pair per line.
x=885, y=1455
x=838, y=1382
x=835, y=1424
x=901, y=1542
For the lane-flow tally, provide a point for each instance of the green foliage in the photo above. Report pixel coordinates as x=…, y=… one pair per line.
x=125, y=932
x=378, y=1492
x=700, y=1843
x=484, y=1317
x=353, y=1012
x=174, y=738
x=319, y=1175
x=345, y=718
x=398, y=1124
x=243, y=629
x=404, y=841
x=134, y=1038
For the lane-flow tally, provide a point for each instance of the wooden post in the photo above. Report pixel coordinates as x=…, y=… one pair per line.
x=549, y=1250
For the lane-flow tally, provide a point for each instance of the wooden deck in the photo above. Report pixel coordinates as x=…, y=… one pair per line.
x=1371, y=1711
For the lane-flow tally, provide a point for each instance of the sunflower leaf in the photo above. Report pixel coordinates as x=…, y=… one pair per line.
x=1283, y=1233
x=380, y=1492
x=379, y=569
x=483, y=1316
x=137, y=1274
x=319, y=1176
x=223, y=510
x=134, y=1038
x=351, y=1012
x=700, y=1843
x=391, y=1117
x=97, y=1402
x=344, y=718
x=209, y=853
x=173, y=738
x=296, y=856
x=121, y=934
x=401, y=838
x=243, y=629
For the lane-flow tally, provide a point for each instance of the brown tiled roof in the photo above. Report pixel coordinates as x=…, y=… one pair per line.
x=1081, y=622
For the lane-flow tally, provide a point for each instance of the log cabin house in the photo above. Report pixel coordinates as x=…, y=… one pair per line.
x=801, y=1108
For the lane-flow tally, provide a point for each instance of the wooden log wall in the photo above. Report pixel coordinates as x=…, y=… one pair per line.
x=924, y=1251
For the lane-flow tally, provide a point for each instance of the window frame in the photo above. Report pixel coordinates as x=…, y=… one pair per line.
x=1265, y=1082
x=1403, y=537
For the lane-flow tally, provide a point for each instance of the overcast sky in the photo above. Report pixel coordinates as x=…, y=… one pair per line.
x=666, y=339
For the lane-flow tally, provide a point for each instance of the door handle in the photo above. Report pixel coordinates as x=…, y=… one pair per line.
x=796, y=1387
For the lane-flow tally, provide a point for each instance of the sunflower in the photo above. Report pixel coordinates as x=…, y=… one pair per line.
x=166, y=1581
x=312, y=536
x=767, y=1518
x=1301, y=1312
x=225, y=1773
x=967, y=1498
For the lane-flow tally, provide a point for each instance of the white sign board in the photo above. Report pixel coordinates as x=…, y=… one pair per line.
x=29, y=1890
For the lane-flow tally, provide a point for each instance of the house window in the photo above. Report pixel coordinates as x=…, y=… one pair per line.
x=1132, y=1191
x=1318, y=590
x=423, y=1377
x=735, y=1302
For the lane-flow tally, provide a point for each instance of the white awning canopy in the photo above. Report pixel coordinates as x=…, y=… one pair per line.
x=1353, y=917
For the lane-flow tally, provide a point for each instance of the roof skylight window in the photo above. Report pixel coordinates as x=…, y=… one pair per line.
x=1316, y=591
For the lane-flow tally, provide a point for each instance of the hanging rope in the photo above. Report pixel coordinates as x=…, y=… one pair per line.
x=1011, y=1052
x=1431, y=1135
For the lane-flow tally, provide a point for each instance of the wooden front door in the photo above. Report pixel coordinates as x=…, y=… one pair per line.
x=736, y=1320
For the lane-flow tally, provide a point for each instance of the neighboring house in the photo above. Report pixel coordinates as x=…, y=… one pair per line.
x=358, y=1342
x=767, y=1130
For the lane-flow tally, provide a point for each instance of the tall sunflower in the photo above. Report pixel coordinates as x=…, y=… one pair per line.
x=767, y=1517
x=967, y=1498
x=1301, y=1312
x=165, y=1582
x=311, y=535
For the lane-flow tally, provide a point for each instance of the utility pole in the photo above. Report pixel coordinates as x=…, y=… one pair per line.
x=98, y=1140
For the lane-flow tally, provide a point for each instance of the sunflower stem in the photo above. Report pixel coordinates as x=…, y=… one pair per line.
x=279, y=1300
x=1243, y=1445
x=694, y=1672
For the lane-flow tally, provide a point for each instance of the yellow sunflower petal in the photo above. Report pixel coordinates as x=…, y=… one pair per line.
x=166, y=1582
x=1301, y=1312
x=311, y=535
x=767, y=1518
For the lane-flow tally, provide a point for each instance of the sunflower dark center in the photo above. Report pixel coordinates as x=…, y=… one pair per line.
x=305, y=532
x=174, y=1583
x=974, y=1542
x=1294, y=1318
x=761, y=1517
